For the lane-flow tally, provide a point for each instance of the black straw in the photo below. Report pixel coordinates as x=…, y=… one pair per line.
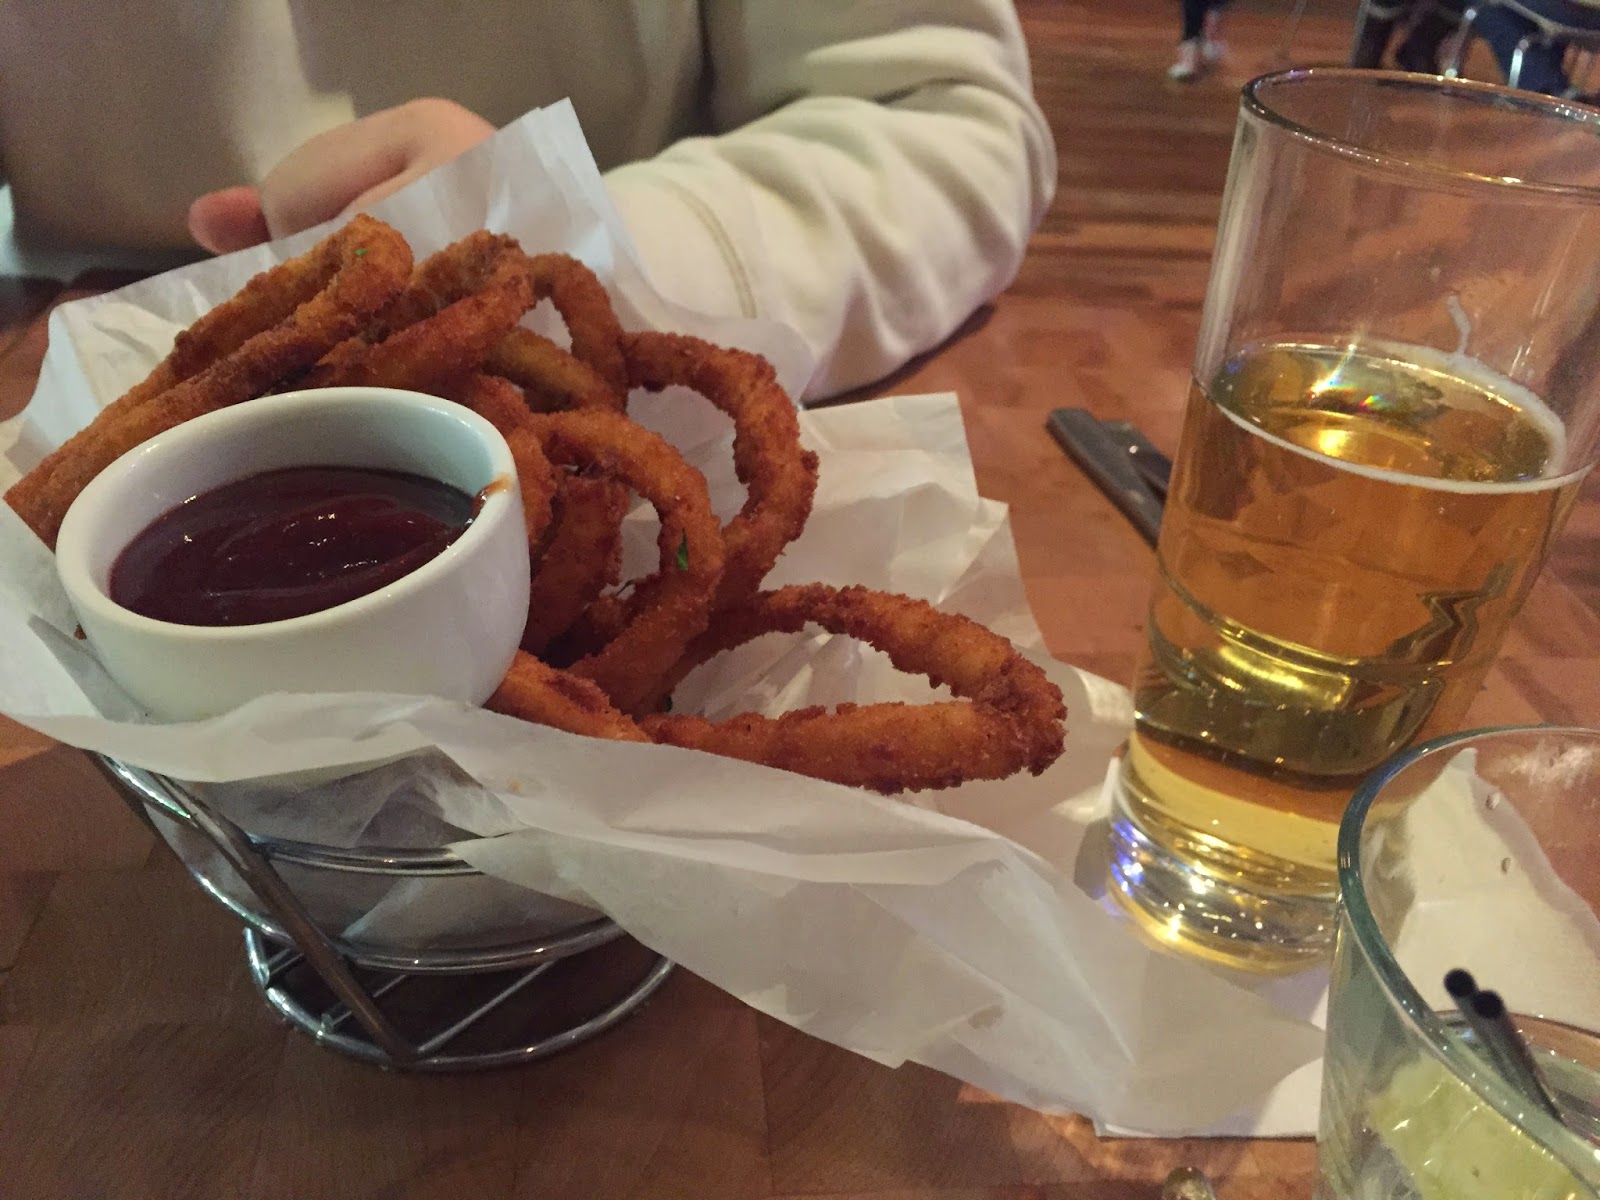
x=1500, y=1040
x=1461, y=986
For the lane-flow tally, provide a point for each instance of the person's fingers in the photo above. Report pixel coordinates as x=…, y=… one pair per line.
x=360, y=162
x=338, y=171
x=320, y=177
x=228, y=220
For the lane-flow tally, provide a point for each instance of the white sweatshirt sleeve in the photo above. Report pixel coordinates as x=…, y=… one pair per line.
x=882, y=167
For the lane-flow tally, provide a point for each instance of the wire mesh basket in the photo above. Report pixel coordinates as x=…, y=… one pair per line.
x=504, y=997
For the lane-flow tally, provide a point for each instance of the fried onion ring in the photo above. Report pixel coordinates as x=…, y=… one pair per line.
x=545, y=695
x=536, y=479
x=592, y=324
x=496, y=400
x=630, y=667
x=582, y=558
x=552, y=379
x=459, y=304
x=593, y=374
x=272, y=296
x=779, y=476
x=330, y=293
x=1009, y=717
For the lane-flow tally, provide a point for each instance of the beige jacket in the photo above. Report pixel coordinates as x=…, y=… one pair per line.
x=866, y=170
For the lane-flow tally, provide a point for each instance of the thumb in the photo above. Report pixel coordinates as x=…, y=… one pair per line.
x=228, y=220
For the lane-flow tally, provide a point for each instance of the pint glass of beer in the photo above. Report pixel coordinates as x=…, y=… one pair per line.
x=1396, y=396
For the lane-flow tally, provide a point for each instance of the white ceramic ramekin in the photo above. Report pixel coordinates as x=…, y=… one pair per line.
x=448, y=629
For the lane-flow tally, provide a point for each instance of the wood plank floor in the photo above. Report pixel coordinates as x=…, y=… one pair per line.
x=1142, y=158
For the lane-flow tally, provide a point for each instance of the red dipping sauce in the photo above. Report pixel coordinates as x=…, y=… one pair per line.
x=286, y=543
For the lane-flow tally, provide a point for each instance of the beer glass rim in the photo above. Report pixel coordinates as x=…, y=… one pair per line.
x=1573, y=1150
x=1255, y=100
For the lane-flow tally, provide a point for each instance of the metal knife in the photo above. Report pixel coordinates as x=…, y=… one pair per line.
x=1104, y=457
x=1154, y=466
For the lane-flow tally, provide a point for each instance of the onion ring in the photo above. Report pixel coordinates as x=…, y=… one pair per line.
x=1009, y=717
x=271, y=297
x=496, y=400
x=459, y=304
x=592, y=324
x=630, y=667
x=552, y=379
x=780, y=477
x=582, y=557
x=536, y=479
x=594, y=374
x=326, y=295
x=545, y=695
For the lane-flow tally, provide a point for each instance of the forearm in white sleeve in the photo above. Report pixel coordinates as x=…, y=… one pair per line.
x=882, y=168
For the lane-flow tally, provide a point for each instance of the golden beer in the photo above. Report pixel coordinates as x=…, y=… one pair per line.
x=1347, y=536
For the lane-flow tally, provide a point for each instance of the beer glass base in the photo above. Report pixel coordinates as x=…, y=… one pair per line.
x=1211, y=901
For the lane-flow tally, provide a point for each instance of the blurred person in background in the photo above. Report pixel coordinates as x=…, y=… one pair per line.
x=867, y=173
x=1202, y=46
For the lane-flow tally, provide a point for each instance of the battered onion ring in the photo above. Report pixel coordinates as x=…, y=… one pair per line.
x=576, y=543
x=581, y=559
x=779, y=476
x=536, y=479
x=273, y=295
x=329, y=293
x=679, y=606
x=1009, y=718
x=549, y=696
x=498, y=402
x=592, y=324
x=479, y=260
x=494, y=399
x=594, y=374
x=552, y=379
x=459, y=304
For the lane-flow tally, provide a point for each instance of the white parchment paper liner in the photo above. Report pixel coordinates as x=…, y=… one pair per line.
x=899, y=931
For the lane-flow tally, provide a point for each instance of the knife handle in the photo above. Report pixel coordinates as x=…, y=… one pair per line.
x=1106, y=462
x=1153, y=466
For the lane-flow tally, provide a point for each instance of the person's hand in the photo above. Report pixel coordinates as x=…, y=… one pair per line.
x=342, y=170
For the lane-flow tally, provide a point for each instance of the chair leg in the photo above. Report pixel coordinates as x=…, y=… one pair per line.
x=1430, y=39
x=1514, y=76
x=1460, y=42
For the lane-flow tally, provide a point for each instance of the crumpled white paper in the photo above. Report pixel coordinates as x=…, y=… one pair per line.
x=1477, y=872
x=906, y=931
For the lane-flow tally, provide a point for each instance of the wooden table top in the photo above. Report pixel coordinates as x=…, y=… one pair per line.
x=137, y=1061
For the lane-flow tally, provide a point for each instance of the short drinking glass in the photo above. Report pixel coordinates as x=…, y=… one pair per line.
x=1475, y=851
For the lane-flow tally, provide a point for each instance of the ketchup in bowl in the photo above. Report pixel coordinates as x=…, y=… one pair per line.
x=286, y=543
